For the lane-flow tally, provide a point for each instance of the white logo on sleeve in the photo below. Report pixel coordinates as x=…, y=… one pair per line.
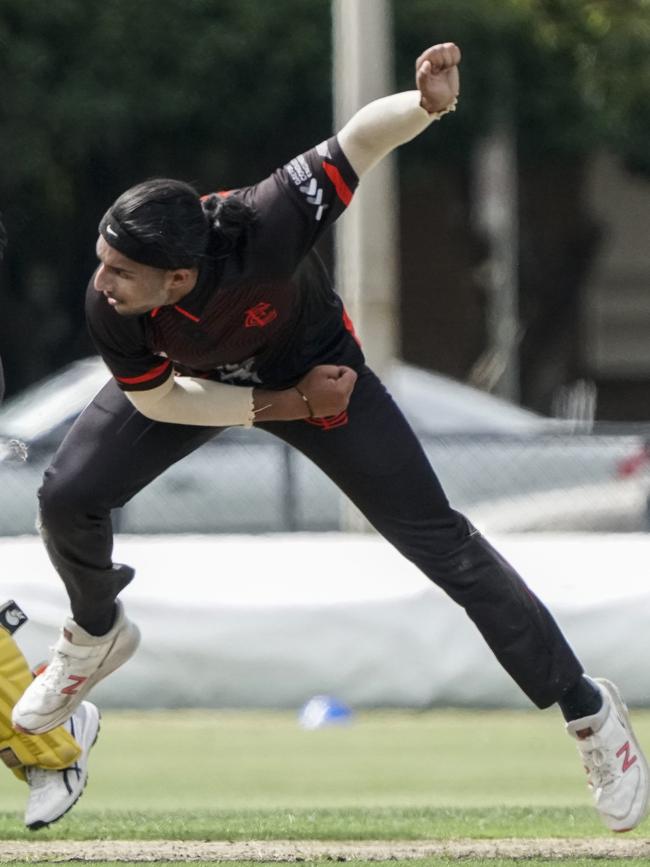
x=323, y=150
x=298, y=170
x=314, y=195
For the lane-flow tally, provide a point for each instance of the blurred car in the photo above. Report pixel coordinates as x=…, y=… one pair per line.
x=507, y=467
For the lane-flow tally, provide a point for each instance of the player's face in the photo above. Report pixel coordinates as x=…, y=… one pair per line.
x=130, y=287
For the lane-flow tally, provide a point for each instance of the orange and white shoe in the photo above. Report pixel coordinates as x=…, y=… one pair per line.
x=80, y=661
x=616, y=768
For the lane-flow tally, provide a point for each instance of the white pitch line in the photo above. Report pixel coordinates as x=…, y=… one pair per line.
x=288, y=851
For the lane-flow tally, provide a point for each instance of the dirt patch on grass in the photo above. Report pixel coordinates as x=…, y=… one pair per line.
x=314, y=850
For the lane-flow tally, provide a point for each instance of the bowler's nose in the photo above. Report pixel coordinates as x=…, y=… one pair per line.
x=100, y=282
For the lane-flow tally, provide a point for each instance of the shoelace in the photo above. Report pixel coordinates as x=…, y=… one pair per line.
x=38, y=779
x=56, y=668
x=601, y=765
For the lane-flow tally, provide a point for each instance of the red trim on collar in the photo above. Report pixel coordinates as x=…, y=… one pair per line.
x=183, y=312
x=186, y=313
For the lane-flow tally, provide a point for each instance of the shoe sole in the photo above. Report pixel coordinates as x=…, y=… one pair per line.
x=36, y=826
x=67, y=711
x=623, y=712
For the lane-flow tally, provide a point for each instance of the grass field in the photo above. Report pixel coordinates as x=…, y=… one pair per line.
x=390, y=776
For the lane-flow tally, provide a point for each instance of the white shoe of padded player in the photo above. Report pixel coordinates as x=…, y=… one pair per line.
x=617, y=771
x=80, y=660
x=53, y=793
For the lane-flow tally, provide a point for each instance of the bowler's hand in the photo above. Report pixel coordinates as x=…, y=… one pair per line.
x=328, y=388
x=436, y=76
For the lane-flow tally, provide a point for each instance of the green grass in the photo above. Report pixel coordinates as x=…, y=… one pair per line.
x=326, y=824
x=388, y=775
x=230, y=761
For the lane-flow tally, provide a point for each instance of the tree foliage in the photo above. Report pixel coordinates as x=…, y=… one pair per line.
x=576, y=71
x=97, y=94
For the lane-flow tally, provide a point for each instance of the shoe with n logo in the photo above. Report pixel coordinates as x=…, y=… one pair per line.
x=80, y=661
x=53, y=793
x=617, y=771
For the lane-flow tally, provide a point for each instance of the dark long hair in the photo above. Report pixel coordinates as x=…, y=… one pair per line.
x=228, y=216
x=164, y=223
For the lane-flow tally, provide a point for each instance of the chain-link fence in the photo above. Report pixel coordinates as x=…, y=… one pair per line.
x=246, y=481
x=573, y=482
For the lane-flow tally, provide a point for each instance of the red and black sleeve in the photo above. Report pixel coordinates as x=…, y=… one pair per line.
x=121, y=342
x=296, y=204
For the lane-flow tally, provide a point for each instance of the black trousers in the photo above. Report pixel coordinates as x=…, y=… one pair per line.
x=113, y=451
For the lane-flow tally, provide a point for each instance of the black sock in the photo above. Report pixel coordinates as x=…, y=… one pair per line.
x=582, y=699
x=100, y=625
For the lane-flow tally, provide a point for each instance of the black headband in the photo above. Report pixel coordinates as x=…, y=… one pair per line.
x=153, y=254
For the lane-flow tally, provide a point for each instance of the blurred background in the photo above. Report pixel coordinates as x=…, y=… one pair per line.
x=497, y=269
x=98, y=95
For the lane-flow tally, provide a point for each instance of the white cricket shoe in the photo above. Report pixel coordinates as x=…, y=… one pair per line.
x=53, y=793
x=616, y=768
x=80, y=661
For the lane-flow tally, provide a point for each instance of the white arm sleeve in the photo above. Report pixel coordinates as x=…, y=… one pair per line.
x=188, y=400
x=382, y=125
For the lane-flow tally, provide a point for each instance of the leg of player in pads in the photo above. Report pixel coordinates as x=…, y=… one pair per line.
x=80, y=661
x=54, y=765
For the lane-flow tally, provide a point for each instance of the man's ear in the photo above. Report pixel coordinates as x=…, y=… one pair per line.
x=182, y=279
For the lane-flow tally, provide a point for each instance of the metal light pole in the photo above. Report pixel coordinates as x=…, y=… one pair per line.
x=367, y=235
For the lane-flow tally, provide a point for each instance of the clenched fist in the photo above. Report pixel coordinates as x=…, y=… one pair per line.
x=436, y=76
x=328, y=388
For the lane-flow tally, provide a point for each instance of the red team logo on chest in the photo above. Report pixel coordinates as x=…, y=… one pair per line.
x=260, y=315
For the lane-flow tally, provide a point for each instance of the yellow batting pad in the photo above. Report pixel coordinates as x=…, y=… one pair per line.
x=54, y=750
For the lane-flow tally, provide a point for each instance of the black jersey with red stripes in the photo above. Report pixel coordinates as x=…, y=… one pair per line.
x=267, y=313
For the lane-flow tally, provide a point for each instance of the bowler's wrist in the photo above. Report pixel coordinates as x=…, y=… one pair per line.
x=434, y=113
x=283, y=405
